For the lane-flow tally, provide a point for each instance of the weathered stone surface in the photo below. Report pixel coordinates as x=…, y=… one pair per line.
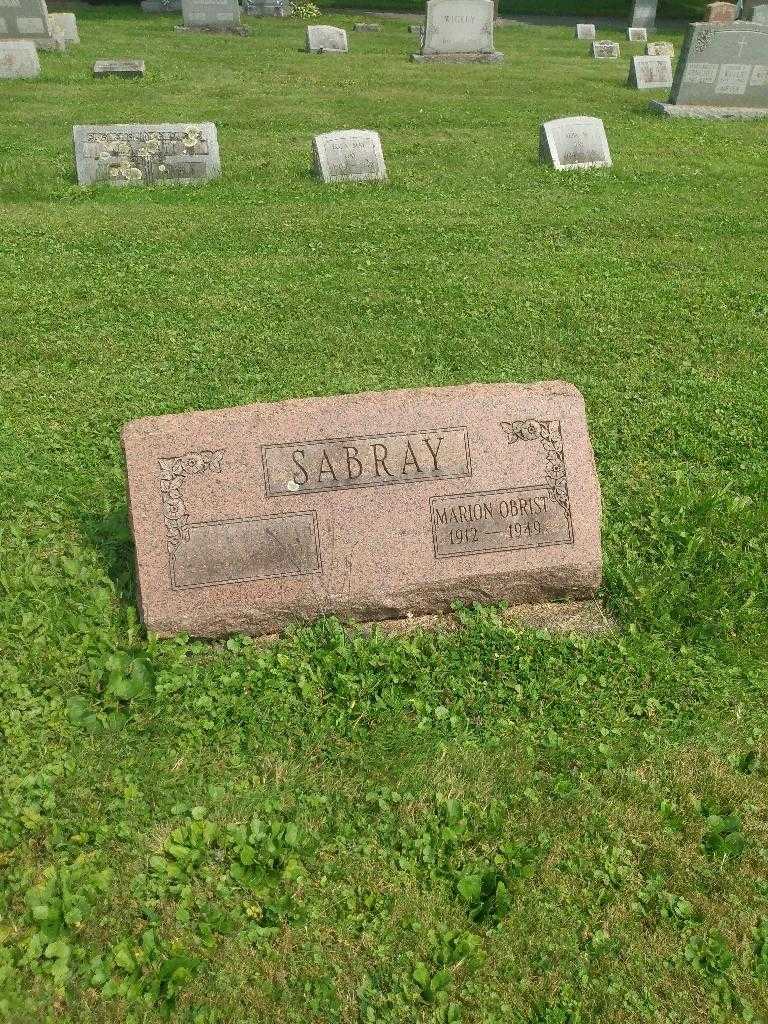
x=574, y=143
x=720, y=13
x=723, y=66
x=366, y=26
x=458, y=31
x=161, y=6
x=650, y=73
x=146, y=154
x=637, y=35
x=326, y=39
x=65, y=26
x=28, y=19
x=368, y=506
x=211, y=15
x=18, y=59
x=267, y=8
x=350, y=155
x=760, y=14
x=604, y=49
x=120, y=68
x=659, y=50
x=585, y=32
x=644, y=13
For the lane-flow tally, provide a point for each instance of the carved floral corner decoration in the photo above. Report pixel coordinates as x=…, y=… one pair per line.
x=173, y=474
x=549, y=435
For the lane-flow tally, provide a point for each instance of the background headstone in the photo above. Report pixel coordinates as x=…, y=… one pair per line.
x=364, y=506
x=585, y=32
x=722, y=72
x=351, y=155
x=604, y=49
x=161, y=6
x=18, y=59
x=650, y=73
x=644, y=13
x=212, y=15
x=119, y=68
x=28, y=19
x=720, y=12
x=267, y=8
x=637, y=35
x=145, y=154
x=760, y=14
x=366, y=26
x=458, y=31
x=659, y=49
x=574, y=143
x=65, y=26
x=326, y=39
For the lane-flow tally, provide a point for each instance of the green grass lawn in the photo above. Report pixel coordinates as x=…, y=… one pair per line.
x=493, y=827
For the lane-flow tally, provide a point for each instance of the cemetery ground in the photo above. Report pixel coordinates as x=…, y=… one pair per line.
x=490, y=825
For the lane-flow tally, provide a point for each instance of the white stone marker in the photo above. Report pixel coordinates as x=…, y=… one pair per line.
x=212, y=16
x=326, y=39
x=18, y=59
x=650, y=73
x=458, y=32
x=659, y=50
x=119, y=68
x=351, y=155
x=605, y=50
x=146, y=154
x=574, y=143
x=637, y=35
x=29, y=19
x=65, y=25
x=586, y=32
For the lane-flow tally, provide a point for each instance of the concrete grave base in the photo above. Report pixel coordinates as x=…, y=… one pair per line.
x=228, y=30
x=705, y=113
x=585, y=618
x=458, y=58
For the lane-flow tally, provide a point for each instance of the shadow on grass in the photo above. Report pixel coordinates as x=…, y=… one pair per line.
x=111, y=537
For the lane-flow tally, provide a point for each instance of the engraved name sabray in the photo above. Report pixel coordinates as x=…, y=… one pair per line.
x=173, y=474
x=549, y=435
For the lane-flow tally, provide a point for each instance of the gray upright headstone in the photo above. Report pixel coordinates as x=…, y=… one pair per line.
x=212, y=15
x=643, y=13
x=722, y=72
x=146, y=154
x=267, y=8
x=574, y=143
x=28, y=19
x=637, y=35
x=65, y=25
x=586, y=32
x=458, y=31
x=760, y=14
x=161, y=6
x=18, y=59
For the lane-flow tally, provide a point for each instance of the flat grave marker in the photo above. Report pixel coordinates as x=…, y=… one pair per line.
x=267, y=8
x=326, y=39
x=458, y=32
x=650, y=73
x=161, y=6
x=586, y=32
x=604, y=49
x=18, y=59
x=119, y=68
x=366, y=26
x=351, y=155
x=722, y=73
x=367, y=506
x=574, y=143
x=146, y=154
